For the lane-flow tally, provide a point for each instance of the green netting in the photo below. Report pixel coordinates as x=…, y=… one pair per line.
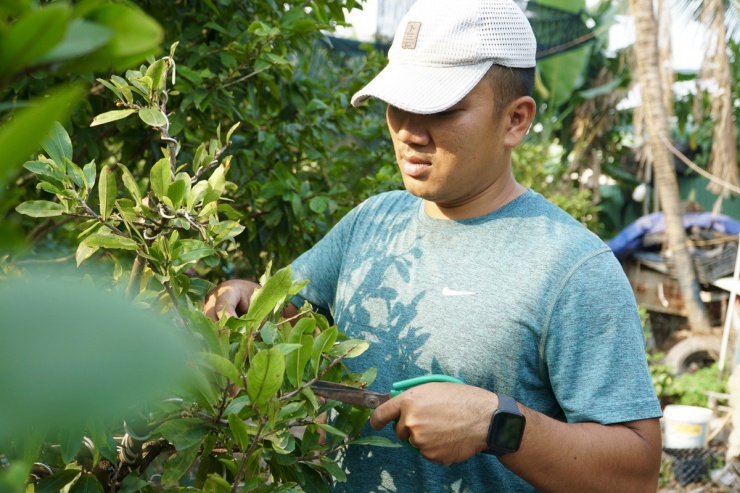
x=556, y=30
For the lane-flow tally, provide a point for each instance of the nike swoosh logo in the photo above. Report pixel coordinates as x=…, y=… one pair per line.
x=451, y=292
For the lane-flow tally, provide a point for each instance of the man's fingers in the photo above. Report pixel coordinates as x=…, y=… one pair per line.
x=385, y=413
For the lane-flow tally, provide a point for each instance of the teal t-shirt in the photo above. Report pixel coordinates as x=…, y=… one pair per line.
x=524, y=301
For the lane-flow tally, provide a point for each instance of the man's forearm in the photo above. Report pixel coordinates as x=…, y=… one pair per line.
x=584, y=457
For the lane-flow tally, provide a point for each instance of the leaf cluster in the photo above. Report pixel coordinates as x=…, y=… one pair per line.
x=159, y=215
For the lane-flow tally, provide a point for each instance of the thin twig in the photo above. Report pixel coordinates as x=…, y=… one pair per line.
x=248, y=76
x=95, y=215
x=293, y=317
x=247, y=454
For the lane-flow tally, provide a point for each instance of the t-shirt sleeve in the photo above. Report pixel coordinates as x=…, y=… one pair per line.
x=321, y=265
x=594, y=347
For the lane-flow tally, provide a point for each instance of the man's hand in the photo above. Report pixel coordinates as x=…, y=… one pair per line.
x=230, y=299
x=447, y=422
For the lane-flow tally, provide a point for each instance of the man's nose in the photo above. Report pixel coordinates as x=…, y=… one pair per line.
x=412, y=130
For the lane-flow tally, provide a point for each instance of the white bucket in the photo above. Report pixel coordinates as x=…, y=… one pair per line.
x=685, y=426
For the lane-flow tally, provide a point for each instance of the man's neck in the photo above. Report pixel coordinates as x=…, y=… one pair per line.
x=487, y=202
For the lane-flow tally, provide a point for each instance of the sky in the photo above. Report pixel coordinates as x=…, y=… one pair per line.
x=686, y=36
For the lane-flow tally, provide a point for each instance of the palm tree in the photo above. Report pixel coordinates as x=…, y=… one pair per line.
x=656, y=123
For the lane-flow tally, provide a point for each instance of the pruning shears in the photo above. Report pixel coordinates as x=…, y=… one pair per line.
x=367, y=398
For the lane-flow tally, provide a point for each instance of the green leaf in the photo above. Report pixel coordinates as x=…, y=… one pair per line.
x=237, y=405
x=115, y=90
x=144, y=85
x=45, y=170
x=40, y=208
x=216, y=484
x=92, y=380
x=318, y=204
x=90, y=171
x=57, y=481
x=76, y=174
x=82, y=37
x=156, y=72
x=131, y=484
x=70, y=443
x=135, y=36
x=217, y=180
x=203, y=326
x=21, y=136
x=130, y=183
x=240, y=431
x=225, y=230
x=58, y=145
x=186, y=251
x=323, y=344
x=84, y=252
x=231, y=132
x=330, y=429
x=102, y=437
x=32, y=36
x=349, y=349
x=110, y=241
x=177, y=465
x=184, y=433
x=160, y=178
x=333, y=468
x=564, y=73
x=270, y=333
x=222, y=366
x=265, y=375
x=196, y=194
x=287, y=349
x=153, y=117
x=111, y=116
x=264, y=300
x=179, y=189
x=295, y=363
x=107, y=192
x=376, y=441
x=87, y=483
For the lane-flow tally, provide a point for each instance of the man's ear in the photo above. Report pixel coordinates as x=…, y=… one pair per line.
x=519, y=116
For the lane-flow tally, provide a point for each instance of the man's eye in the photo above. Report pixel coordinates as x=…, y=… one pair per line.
x=443, y=114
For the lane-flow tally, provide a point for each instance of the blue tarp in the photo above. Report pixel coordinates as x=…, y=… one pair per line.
x=629, y=240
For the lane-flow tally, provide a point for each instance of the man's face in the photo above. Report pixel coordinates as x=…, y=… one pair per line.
x=455, y=157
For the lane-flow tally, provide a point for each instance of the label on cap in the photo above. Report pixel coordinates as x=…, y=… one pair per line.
x=411, y=35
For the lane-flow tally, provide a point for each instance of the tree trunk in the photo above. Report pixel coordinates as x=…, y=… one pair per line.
x=656, y=123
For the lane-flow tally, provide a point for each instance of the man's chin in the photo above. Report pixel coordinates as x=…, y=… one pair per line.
x=419, y=189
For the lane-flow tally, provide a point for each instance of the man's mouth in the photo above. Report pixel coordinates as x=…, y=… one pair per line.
x=415, y=167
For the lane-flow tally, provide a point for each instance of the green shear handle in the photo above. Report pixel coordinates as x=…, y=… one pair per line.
x=399, y=387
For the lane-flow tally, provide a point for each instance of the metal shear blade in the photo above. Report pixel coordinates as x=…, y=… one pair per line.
x=348, y=394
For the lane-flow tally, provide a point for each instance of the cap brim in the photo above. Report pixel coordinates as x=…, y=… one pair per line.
x=423, y=89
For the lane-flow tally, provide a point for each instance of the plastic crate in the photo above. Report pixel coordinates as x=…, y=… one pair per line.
x=692, y=465
x=715, y=263
x=710, y=264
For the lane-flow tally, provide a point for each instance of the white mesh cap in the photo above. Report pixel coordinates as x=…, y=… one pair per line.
x=442, y=49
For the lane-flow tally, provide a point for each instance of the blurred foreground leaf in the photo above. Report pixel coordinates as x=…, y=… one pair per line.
x=23, y=135
x=70, y=353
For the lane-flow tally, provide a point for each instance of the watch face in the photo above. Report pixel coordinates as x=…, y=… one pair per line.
x=506, y=431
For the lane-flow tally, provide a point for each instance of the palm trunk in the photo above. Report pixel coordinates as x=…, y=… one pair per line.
x=656, y=123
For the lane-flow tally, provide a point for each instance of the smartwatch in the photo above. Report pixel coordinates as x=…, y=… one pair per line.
x=507, y=427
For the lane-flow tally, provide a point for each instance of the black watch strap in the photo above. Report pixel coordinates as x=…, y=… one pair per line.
x=507, y=403
x=507, y=409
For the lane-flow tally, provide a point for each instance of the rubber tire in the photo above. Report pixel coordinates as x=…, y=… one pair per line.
x=699, y=349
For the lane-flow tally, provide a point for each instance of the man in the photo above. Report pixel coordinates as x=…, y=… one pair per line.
x=469, y=274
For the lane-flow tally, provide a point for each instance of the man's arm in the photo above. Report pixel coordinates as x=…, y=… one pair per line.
x=554, y=456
